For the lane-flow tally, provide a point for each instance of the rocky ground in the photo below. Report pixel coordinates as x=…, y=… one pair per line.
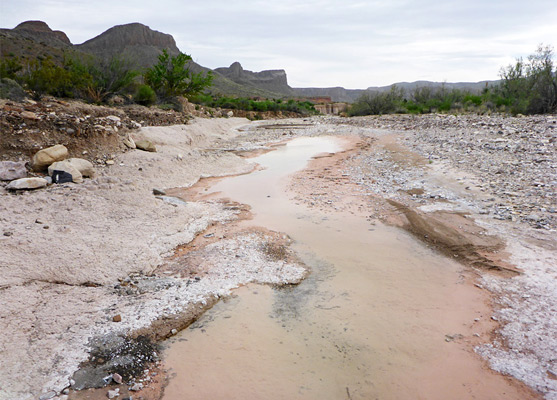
x=89, y=276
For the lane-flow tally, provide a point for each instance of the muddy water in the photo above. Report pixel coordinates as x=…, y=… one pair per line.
x=369, y=323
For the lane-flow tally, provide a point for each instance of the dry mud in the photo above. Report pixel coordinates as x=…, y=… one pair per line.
x=113, y=248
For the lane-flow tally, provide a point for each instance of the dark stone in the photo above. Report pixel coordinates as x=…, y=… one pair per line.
x=61, y=177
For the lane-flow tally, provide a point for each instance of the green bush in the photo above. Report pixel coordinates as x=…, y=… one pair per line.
x=145, y=95
x=242, y=103
x=171, y=77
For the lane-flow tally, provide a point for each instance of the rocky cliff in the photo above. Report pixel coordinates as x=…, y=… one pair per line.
x=271, y=80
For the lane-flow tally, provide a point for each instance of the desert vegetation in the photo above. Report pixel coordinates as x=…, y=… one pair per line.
x=261, y=105
x=98, y=80
x=526, y=87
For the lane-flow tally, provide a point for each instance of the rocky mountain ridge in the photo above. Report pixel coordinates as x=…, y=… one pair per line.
x=273, y=80
x=142, y=45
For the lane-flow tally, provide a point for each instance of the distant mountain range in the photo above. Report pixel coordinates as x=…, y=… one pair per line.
x=142, y=45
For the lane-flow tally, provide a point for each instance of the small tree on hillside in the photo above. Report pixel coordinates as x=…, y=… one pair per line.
x=171, y=77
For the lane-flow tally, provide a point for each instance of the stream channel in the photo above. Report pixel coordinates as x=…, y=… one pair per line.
x=370, y=321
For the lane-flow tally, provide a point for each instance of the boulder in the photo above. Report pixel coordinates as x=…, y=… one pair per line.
x=43, y=158
x=10, y=170
x=145, y=145
x=27, y=184
x=84, y=166
x=66, y=166
x=129, y=142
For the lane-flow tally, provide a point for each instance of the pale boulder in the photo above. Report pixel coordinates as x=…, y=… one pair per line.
x=84, y=166
x=145, y=145
x=27, y=184
x=129, y=142
x=66, y=166
x=43, y=158
x=10, y=170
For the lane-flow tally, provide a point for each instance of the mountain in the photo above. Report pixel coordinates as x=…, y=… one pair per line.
x=337, y=94
x=409, y=86
x=136, y=41
x=271, y=80
x=32, y=39
x=340, y=94
x=142, y=46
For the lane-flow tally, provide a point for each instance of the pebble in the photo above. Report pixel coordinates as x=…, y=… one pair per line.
x=117, y=378
x=113, y=393
x=117, y=318
x=136, y=387
x=46, y=396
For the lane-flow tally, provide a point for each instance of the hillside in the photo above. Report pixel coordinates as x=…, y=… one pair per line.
x=142, y=45
x=135, y=41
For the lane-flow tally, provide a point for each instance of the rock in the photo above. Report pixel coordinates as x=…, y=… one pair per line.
x=117, y=378
x=174, y=331
x=117, y=318
x=159, y=192
x=10, y=170
x=109, y=162
x=129, y=142
x=68, y=167
x=113, y=393
x=84, y=166
x=136, y=387
x=61, y=177
x=145, y=145
x=27, y=184
x=8, y=233
x=45, y=157
x=113, y=118
x=230, y=114
x=29, y=115
x=46, y=396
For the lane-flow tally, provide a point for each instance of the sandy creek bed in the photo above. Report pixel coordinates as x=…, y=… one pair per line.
x=381, y=315
x=385, y=312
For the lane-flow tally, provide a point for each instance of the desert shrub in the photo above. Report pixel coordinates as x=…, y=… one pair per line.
x=145, y=95
x=529, y=87
x=243, y=103
x=377, y=103
x=10, y=89
x=9, y=67
x=171, y=77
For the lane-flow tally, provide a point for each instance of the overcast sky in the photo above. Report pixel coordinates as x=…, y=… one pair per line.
x=323, y=43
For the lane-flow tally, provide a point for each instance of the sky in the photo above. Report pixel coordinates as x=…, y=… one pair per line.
x=350, y=43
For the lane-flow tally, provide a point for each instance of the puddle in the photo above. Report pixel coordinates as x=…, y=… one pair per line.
x=370, y=322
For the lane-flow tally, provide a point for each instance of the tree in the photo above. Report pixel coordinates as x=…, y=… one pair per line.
x=377, y=103
x=171, y=77
x=530, y=87
x=107, y=77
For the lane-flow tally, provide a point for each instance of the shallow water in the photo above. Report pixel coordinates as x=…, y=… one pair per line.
x=369, y=322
